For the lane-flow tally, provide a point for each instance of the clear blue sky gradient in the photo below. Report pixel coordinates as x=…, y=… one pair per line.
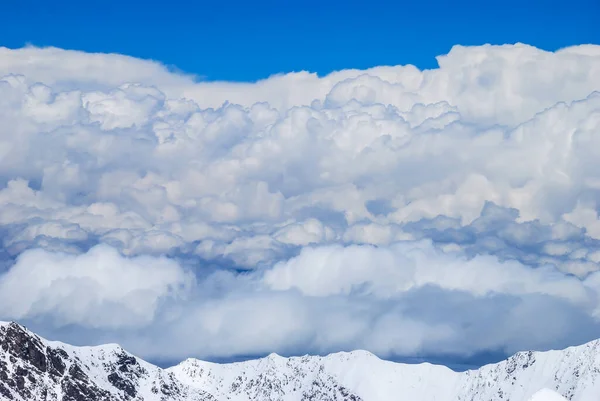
x=246, y=41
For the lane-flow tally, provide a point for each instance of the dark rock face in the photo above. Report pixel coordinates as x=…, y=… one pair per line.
x=122, y=384
x=55, y=357
x=31, y=370
x=74, y=390
x=32, y=361
x=18, y=343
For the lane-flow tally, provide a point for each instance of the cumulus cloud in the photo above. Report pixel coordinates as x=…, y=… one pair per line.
x=327, y=211
x=409, y=298
x=404, y=266
x=99, y=288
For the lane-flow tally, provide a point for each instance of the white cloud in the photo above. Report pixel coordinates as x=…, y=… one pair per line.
x=492, y=157
x=409, y=298
x=311, y=231
x=97, y=289
x=384, y=272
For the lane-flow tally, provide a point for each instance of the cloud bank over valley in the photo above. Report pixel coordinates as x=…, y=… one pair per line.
x=446, y=212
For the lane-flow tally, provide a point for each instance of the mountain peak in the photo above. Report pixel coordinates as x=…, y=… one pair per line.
x=32, y=368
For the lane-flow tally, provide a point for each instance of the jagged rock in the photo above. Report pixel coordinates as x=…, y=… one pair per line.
x=32, y=368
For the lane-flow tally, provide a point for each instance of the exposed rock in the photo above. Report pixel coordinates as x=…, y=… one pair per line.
x=31, y=369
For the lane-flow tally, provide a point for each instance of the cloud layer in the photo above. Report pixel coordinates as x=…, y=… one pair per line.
x=446, y=211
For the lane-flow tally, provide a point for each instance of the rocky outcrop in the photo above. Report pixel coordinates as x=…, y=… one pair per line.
x=34, y=369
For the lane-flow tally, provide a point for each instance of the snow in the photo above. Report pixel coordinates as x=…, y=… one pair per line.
x=547, y=395
x=574, y=371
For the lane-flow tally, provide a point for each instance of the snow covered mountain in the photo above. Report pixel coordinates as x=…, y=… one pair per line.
x=32, y=368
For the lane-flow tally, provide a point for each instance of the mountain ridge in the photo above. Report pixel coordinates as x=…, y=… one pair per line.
x=32, y=368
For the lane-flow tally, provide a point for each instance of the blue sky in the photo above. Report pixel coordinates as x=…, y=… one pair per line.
x=246, y=41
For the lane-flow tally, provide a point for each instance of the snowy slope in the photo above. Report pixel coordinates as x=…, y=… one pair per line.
x=574, y=373
x=547, y=395
x=32, y=368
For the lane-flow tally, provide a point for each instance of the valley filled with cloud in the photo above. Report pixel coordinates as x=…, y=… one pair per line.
x=445, y=212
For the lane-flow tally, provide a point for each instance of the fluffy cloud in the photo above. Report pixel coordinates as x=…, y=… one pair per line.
x=327, y=211
x=98, y=289
x=405, y=266
x=410, y=298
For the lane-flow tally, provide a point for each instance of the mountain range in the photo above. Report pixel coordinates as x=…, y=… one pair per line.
x=33, y=368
